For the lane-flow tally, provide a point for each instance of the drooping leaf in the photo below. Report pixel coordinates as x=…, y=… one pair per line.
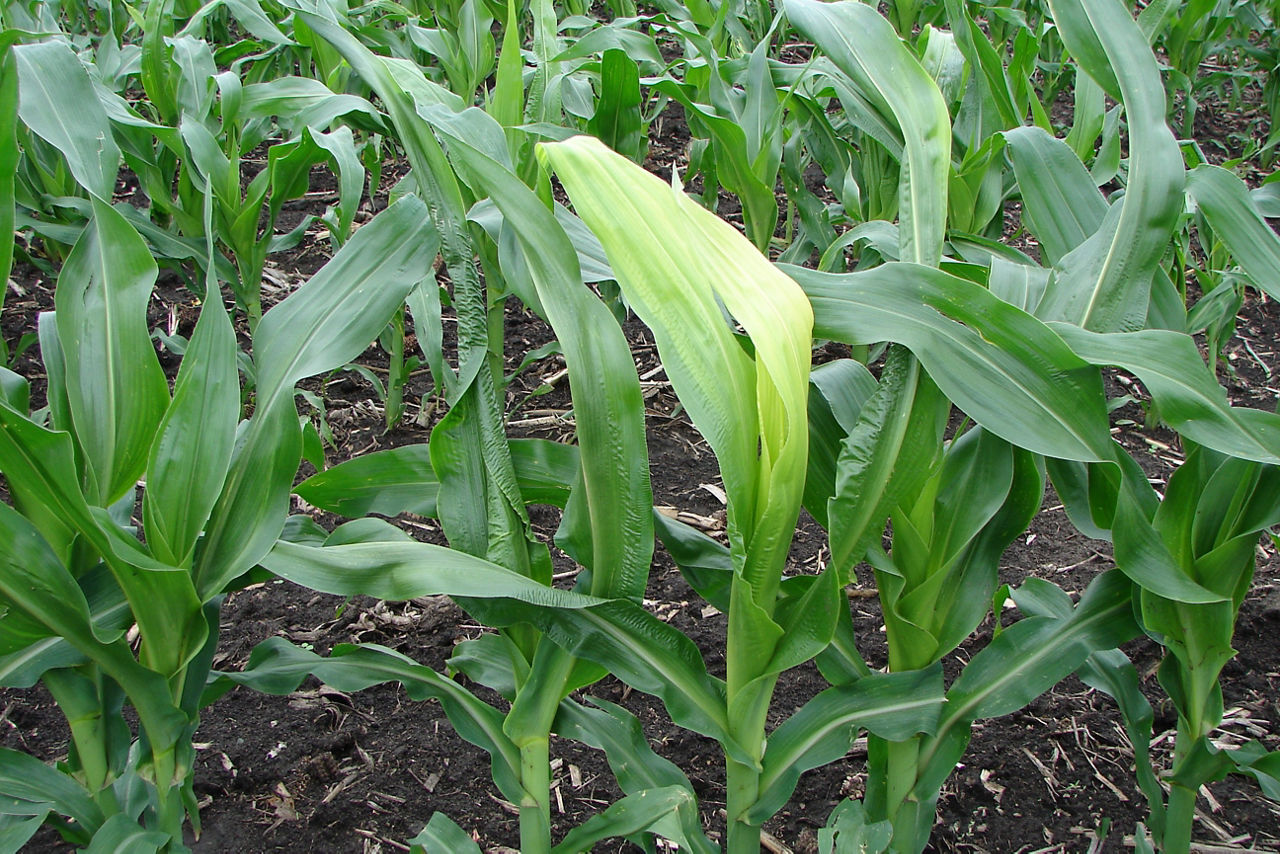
x=323, y=325
x=57, y=102
x=753, y=411
x=894, y=706
x=443, y=836
x=666, y=812
x=278, y=667
x=640, y=649
x=28, y=780
x=864, y=46
x=1105, y=283
x=1188, y=397
x=1008, y=371
x=1224, y=200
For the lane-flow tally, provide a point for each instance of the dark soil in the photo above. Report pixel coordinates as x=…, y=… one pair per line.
x=320, y=770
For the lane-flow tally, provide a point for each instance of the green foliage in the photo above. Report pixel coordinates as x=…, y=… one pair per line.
x=890, y=150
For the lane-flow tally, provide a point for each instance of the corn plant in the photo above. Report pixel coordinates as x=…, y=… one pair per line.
x=482, y=511
x=1108, y=278
x=75, y=577
x=1202, y=539
x=739, y=121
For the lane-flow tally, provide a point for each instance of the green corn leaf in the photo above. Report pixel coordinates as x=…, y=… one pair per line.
x=492, y=660
x=1189, y=398
x=23, y=662
x=57, y=102
x=615, y=731
x=950, y=576
x=192, y=448
x=976, y=476
x=9, y=156
x=22, y=669
x=401, y=480
x=115, y=385
x=608, y=406
x=848, y=829
x=894, y=706
x=1005, y=369
x=28, y=781
x=1015, y=669
x=1031, y=656
x=341, y=148
x=15, y=391
x=473, y=507
x=251, y=508
x=1020, y=285
x=733, y=169
x=1224, y=200
x=1253, y=759
x=1088, y=117
x=331, y=319
x=864, y=46
x=640, y=649
x=808, y=616
x=753, y=411
x=666, y=812
x=397, y=480
x=1061, y=203
x=705, y=563
x=121, y=834
x=1025, y=660
x=974, y=574
x=301, y=102
x=887, y=454
x=1109, y=671
x=193, y=74
x=841, y=663
x=837, y=392
x=760, y=114
x=366, y=530
x=617, y=121
x=34, y=581
x=1105, y=283
x=40, y=467
x=323, y=325
x=247, y=12
x=443, y=836
x=475, y=518
x=506, y=101
x=16, y=831
x=991, y=78
x=278, y=667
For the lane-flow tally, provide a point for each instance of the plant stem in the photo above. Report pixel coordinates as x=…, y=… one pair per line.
x=743, y=785
x=394, y=408
x=1181, y=811
x=1178, y=820
x=170, y=812
x=535, y=806
x=903, y=758
x=902, y=772
x=528, y=725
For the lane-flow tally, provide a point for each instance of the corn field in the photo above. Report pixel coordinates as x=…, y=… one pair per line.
x=695, y=376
